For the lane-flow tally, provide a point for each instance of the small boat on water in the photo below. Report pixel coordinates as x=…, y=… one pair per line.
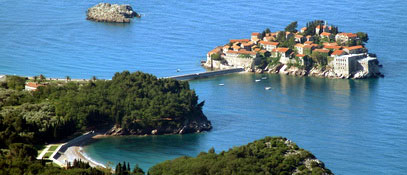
x=257, y=80
x=267, y=88
x=264, y=78
x=221, y=84
x=178, y=70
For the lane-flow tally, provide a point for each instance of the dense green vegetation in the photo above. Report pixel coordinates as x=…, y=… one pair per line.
x=216, y=56
x=271, y=155
x=58, y=111
x=131, y=101
x=292, y=27
x=124, y=169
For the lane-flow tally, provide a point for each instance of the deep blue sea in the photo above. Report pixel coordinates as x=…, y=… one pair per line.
x=353, y=126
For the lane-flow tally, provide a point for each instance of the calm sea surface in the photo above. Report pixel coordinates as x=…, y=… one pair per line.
x=354, y=126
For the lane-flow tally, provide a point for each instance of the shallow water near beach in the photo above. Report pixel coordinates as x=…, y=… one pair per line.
x=353, y=126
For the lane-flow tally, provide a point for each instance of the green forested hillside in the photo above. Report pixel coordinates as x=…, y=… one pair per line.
x=132, y=101
x=271, y=155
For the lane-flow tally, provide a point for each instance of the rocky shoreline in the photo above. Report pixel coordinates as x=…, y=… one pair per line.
x=189, y=126
x=315, y=72
x=295, y=71
x=105, y=12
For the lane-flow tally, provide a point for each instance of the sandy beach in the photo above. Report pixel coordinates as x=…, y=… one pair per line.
x=74, y=150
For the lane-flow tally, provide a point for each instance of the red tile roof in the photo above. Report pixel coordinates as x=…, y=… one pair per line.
x=255, y=34
x=236, y=47
x=351, y=35
x=308, y=42
x=239, y=40
x=298, y=36
x=308, y=46
x=247, y=44
x=332, y=47
x=281, y=49
x=215, y=50
x=300, y=55
x=337, y=52
x=326, y=34
x=269, y=43
x=299, y=45
x=34, y=85
x=242, y=51
x=321, y=50
x=354, y=47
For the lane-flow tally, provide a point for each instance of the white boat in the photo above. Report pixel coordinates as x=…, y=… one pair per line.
x=264, y=78
x=178, y=70
x=257, y=80
x=221, y=84
x=267, y=88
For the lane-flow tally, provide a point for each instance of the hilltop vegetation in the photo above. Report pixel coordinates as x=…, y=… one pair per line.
x=271, y=155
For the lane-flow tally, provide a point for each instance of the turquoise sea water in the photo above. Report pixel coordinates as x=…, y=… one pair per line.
x=354, y=126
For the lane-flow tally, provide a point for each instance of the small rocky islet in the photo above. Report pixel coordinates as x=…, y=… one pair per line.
x=106, y=12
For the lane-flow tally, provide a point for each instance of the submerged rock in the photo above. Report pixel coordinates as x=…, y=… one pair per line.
x=105, y=12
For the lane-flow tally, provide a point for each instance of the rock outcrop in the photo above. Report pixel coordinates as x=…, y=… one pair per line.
x=314, y=72
x=105, y=12
x=195, y=125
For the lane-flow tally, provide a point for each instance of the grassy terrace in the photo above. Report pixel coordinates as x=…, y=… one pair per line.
x=53, y=148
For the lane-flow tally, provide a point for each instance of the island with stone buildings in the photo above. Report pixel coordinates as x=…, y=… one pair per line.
x=317, y=50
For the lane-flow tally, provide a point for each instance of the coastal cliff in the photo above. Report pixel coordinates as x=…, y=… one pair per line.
x=105, y=12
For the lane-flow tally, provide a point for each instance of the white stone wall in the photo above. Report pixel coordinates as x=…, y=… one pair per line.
x=234, y=60
x=350, y=64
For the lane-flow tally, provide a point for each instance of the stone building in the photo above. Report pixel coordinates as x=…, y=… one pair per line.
x=345, y=37
x=269, y=46
x=351, y=64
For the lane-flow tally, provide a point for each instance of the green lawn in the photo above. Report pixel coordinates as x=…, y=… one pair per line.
x=48, y=154
x=53, y=148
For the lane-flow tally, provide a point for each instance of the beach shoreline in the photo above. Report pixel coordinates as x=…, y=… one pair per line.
x=73, y=149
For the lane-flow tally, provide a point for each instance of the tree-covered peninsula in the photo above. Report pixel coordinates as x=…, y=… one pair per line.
x=134, y=103
x=271, y=155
